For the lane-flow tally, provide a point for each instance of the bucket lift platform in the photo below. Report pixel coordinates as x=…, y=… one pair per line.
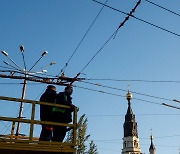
x=12, y=144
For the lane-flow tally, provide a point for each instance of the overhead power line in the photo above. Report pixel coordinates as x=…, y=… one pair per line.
x=152, y=81
x=162, y=7
x=143, y=100
x=100, y=91
x=97, y=84
x=63, y=69
x=113, y=35
x=122, y=115
x=113, y=94
x=171, y=106
x=142, y=20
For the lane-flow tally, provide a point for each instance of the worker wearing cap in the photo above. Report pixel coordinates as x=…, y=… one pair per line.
x=62, y=115
x=48, y=96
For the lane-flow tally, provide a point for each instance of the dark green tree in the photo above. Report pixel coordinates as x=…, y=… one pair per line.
x=82, y=138
x=92, y=148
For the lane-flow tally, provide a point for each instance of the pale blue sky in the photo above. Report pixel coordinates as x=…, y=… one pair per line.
x=138, y=52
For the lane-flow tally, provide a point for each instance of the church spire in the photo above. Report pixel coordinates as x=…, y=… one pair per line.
x=130, y=140
x=130, y=125
x=152, y=148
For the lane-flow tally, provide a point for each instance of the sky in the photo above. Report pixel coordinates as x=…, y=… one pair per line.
x=142, y=58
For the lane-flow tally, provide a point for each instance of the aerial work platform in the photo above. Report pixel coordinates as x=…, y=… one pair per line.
x=18, y=144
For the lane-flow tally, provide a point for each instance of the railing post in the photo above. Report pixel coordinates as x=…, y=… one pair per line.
x=32, y=121
x=12, y=129
x=75, y=125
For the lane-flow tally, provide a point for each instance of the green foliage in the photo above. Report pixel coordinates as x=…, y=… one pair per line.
x=82, y=138
x=92, y=148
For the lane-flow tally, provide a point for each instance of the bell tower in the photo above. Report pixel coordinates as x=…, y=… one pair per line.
x=130, y=140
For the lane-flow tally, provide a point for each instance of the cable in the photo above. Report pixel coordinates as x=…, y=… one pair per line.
x=6, y=126
x=129, y=15
x=163, y=7
x=147, y=22
x=100, y=91
x=152, y=81
x=120, y=115
x=96, y=84
x=98, y=52
x=171, y=106
x=158, y=137
x=10, y=83
x=63, y=70
x=109, y=149
x=113, y=35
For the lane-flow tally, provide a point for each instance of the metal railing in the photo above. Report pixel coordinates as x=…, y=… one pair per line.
x=30, y=140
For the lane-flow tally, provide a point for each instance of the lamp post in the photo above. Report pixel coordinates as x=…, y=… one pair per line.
x=25, y=86
x=20, y=115
x=6, y=54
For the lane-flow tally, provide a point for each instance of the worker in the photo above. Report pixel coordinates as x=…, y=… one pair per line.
x=48, y=96
x=62, y=115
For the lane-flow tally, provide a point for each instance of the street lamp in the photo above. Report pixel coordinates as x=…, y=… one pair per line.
x=7, y=63
x=50, y=64
x=6, y=54
x=40, y=72
x=25, y=86
x=26, y=73
x=21, y=47
x=43, y=55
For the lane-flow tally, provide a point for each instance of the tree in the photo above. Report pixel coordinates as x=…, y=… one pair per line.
x=92, y=148
x=82, y=138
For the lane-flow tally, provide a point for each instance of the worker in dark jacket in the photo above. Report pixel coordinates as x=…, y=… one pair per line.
x=62, y=115
x=48, y=96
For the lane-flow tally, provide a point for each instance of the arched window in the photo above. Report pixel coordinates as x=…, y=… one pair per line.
x=124, y=143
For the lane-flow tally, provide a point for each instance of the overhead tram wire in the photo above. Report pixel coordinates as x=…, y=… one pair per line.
x=142, y=20
x=64, y=68
x=151, y=81
x=144, y=138
x=143, y=100
x=162, y=7
x=100, y=85
x=122, y=115
x=113, y=35
x=113, y=94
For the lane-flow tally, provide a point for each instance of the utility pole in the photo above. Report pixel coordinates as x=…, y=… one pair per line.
x=21, y=106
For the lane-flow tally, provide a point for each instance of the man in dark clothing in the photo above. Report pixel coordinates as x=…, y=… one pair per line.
x=48, y=96
x=62, y=115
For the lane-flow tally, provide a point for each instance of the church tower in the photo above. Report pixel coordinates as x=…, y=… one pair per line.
x=152, y=148
x=130, y=140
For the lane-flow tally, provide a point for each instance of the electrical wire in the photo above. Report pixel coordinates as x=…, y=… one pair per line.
x=98, y=52
x=63, y=69
x=143, y=100
x=100, y=91
x=144, y=21
x=10, y=83
x=120, y=115
x=6, y=126
x=151, y=81
x=97, y=84
x=127, y=18
x=158, y=137
x=162, y=7
x=113, y=94
x=113, y=35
